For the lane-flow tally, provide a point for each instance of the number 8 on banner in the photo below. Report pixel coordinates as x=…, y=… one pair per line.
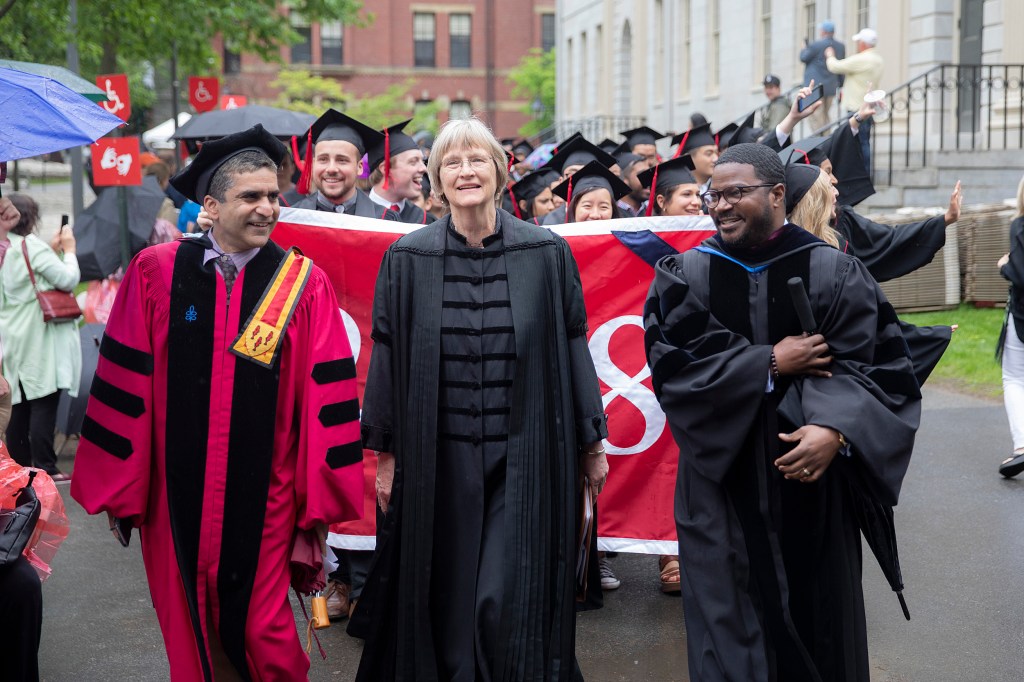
x=630, y=388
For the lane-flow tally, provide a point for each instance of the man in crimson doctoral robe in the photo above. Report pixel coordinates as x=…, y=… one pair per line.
x=223, y=421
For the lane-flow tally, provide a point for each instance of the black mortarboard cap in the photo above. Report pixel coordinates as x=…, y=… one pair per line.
x=194, y=180
x=392, y=143
x=624, y=157
x=799, y=178
x=667, y=174
x=577, y=151
x=532, y=184
x=641, y=135
x=699, y=136
x=737, y=134
x=334, y=125
x=523, y=147
x=812, y=150
x=608, y=145
x=594, y=174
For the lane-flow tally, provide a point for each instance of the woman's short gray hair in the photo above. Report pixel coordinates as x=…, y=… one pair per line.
x=466, y=133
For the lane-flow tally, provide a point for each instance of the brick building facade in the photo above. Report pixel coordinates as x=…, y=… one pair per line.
x=458, y=53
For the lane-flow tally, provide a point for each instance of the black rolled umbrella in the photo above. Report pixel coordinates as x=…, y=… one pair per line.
x=71, y=411
x=98, y=231
x=216, y=124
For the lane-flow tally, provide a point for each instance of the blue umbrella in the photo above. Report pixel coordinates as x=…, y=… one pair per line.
x=41, y=116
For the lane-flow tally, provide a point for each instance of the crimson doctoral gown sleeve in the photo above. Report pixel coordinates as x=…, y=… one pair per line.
x=329, y=467
x=112, y=465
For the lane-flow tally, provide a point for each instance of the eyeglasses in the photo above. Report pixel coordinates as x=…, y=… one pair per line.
x=477, y=163
x=730, y=194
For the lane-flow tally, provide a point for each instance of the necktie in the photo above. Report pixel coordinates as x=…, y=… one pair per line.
x=396, y=208
x=228, y=269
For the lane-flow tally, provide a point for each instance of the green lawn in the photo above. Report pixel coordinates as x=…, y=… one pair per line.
x=969, y=364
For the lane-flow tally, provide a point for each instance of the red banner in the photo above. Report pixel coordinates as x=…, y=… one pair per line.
x=637, y=503
x=233, y=101
x=203, y=93
x=119, y=99
x=115, y=161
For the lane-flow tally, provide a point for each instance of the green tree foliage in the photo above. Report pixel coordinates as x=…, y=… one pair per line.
x=533, y=79
x=302, y=91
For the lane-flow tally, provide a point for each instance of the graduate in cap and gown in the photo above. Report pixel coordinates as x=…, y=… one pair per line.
x=643, y=142
x=335, y=145
x=484, y=403
x=630, y=166
x=396, y=173
x=592, y=193
x=223, y=421
x=673, y=189
x=702, y=147
x=532, y=198
x=776, y=429
x=571, y=155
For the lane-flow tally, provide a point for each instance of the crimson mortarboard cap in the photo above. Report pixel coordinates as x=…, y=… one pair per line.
x=194, y=180
x=577, y=151
x=594, y=174
x=799, y=178
x=641, y=135
x=533, y=184
x=694, y=138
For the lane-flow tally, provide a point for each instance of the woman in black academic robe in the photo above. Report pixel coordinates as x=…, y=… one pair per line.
x=484, y=403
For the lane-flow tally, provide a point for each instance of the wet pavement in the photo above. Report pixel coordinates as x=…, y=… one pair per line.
x=961, y=531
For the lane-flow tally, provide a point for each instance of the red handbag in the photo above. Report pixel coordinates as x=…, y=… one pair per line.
x=58, y=306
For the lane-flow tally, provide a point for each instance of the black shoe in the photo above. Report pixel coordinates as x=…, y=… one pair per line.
x=1012, y=465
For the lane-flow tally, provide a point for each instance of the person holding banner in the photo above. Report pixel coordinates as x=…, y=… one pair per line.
x=788, y=387
x=223, y=422
x=484, y=404
x=335, y=145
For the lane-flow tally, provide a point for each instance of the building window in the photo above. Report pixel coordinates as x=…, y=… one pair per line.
x=600, y=88
x=714, y=45
x=584, y=99
x=765, y=39
x=685, y=31
x=232, y=61
x=659, y=48
x=459, y=26
x=423, y=36
x=863, y=10
x=570, y=68
x=547, y=31
x=331, y=43
x=302, y=51
x=810, y=18
x=460, y=109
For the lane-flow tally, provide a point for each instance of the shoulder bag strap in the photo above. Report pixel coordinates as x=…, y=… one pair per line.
x=28, y=264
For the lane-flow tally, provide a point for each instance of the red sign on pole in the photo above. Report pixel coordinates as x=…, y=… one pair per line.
x=233, y=101
x=115, y=161
x=119, y=101
x=203, y=93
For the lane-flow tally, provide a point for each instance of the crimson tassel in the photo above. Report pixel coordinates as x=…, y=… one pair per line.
x=387, y=157
x=807, y=159
x=716, y=139
x=568, y=195
x=682, y=143
x=302, y=187
x=299, y=163
x=515, y=203
x=651, y=198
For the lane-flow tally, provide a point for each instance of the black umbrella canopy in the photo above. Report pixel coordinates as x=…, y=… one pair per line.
x=217, y=124
x=97, y=228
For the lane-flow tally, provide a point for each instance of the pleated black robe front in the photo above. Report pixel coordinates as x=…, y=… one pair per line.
x=555, y=406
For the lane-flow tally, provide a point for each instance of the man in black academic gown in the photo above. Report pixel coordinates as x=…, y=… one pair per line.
x=396, y=173
x=777, y=431
x=702, y=147
x=335, y=145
